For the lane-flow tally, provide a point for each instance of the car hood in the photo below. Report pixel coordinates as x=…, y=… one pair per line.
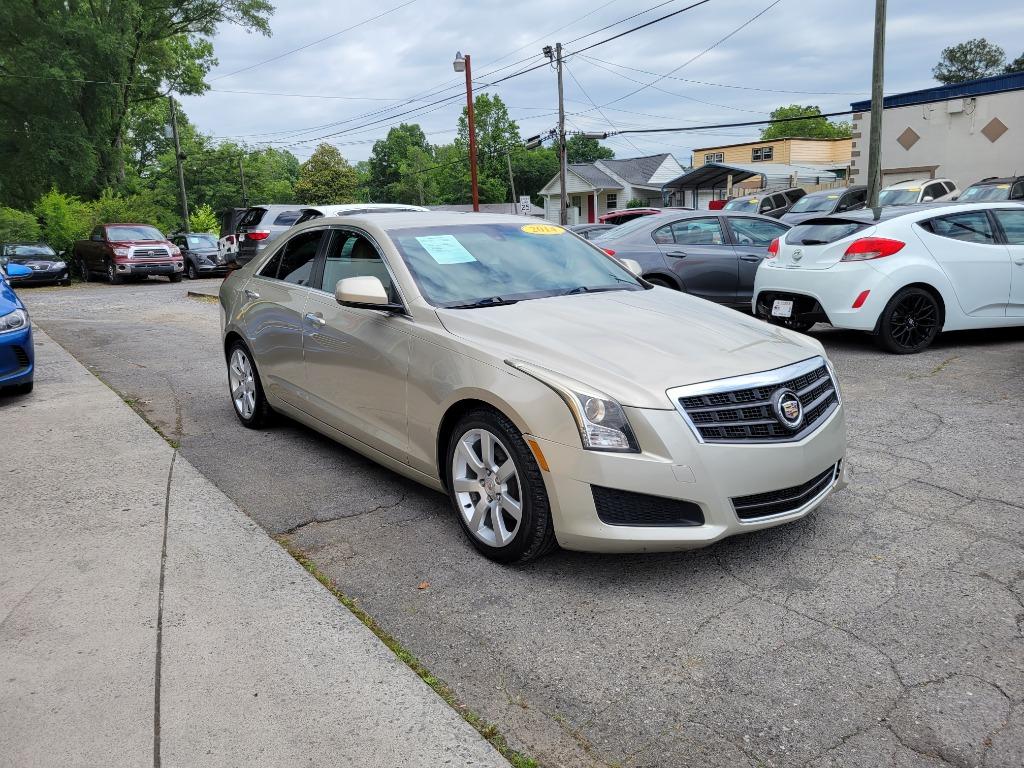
x=140, y=243
x=632, y=345
x=9, y=300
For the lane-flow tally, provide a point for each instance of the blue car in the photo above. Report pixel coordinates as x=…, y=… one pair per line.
x=17, y=360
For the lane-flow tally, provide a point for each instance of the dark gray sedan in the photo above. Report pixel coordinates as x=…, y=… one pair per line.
x=710, y=254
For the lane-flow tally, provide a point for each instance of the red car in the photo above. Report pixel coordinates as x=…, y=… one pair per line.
x=128, y=251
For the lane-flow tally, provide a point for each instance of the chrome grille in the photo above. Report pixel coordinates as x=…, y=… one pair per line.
x=739, y=410
x=150, y=253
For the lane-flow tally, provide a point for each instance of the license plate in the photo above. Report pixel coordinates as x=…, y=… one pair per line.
x=782, y=308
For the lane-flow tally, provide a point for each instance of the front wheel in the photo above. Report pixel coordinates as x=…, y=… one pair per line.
x=191, y=272
x=175, y=277
x=251, y=406
x=910, y=322
x=83, y=270
x=497, y=490
x=112, y=277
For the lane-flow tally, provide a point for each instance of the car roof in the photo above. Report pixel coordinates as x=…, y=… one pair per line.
x=410, y=219
x=764, y=193
x=997, y=180
x=363, y=207
x=888, y=212
x=836, y=191
x=911, y=183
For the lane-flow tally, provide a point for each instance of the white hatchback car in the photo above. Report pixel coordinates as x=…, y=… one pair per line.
x=902, y=273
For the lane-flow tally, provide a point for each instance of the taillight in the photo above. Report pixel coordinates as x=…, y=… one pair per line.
x=609, y=251
x=258, y=234
x=773, y=249
x=872, y=248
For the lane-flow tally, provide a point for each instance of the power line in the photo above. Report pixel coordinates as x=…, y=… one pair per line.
x=641, y=26
x=613, y=24
x=315, y=42
x=602, y=114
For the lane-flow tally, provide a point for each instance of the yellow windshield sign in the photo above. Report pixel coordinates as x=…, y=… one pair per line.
x=542, y=229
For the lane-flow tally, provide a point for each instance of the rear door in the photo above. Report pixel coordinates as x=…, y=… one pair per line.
x=933, y=191
x=967, y=249
x=702, y=257
x=277, y=297
x=1011, y=222
x=357, y=360
x=750, y=238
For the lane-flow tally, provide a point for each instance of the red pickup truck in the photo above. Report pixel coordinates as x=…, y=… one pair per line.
x=127, y=251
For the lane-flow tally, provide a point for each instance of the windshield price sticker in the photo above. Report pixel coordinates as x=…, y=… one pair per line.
x=542, y=229
x=445, y=249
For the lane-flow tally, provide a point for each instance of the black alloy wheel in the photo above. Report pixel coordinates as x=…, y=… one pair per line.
x=910, y=322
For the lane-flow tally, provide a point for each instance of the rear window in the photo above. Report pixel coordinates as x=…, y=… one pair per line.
x=287, y=218
x=822, y=232
x=252, y=217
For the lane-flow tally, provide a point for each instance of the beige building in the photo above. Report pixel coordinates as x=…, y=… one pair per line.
x=964, y=132
x=830, y=154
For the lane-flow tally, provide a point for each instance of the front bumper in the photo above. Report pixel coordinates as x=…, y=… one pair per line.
x=826, y=295
x=41, y=277
x=675, y=466
x=17, y=358
x=149, y=267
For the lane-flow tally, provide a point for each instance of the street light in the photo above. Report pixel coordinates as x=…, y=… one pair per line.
x=462, y=64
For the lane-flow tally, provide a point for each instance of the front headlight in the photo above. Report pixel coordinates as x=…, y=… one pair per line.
x=600, y=419
x=120, y=250
x=58, y=265
x=13, y=321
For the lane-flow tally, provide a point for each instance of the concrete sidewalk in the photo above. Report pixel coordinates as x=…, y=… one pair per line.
x=251, y=663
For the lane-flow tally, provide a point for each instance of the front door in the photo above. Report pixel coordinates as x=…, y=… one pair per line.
x=751, y=238
x=1012, y=223
x=277, y=297
x=976, y=263
x=357, y=360
x=698, y=251
x=590, y=208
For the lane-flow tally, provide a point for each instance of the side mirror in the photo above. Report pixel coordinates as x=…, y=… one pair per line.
x=927, y=199
x=366, y=292
x=17, y=270
x=633, y=266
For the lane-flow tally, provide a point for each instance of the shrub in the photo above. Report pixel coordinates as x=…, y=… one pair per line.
x=203, y=219
x=139, y=208
x=64, y=219
x=17, y=225
x=636, y=203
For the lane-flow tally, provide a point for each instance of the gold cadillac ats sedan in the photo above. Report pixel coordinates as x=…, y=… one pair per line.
x=555, y=397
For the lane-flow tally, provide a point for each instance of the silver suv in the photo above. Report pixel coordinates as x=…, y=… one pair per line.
x=260, y=225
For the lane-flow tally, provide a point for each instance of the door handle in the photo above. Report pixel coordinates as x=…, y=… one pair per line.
x=1019, y=262
x=677, y=254
x=316, y=318
x=750, y=257
x=251, y=294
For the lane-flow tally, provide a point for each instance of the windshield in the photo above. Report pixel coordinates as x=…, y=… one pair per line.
x=748, y=204
x=133, y=232
x=465, y=264
x=814, y=204
x=986, y=192
x=25, y=251
x=202, y=240
x=899, y=196
x=623, y=230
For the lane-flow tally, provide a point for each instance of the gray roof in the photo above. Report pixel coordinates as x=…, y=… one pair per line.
x=594, y=176
x=637, y=170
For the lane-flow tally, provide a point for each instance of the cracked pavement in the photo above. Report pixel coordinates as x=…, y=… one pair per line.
x=887, y=629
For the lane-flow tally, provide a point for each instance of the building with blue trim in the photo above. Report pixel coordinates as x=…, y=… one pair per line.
x=964, y=132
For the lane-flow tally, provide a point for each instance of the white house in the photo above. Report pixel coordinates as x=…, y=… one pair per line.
x=964, y=132
x=604, y=185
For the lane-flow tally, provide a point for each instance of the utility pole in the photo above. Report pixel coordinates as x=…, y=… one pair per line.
x=563, y=215
x=511, y=181
x=877, y=79
x=462, y=64
x=178, y=157
x=241, y=175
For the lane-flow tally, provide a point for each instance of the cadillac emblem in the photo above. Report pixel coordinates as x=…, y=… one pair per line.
x=788, y=409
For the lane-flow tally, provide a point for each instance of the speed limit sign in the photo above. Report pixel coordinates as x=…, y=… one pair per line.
x=525, y=206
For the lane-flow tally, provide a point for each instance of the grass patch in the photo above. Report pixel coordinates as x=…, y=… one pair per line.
x=488, y=730
x=203, y=297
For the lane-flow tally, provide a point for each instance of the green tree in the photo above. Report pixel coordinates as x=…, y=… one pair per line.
x=1017, y=65
x=813, y=127
x=580, y=149
x=969, y=61
x=397, y=166
x=532, y=169
x=63, y=218
x=203, y=219
x=18, y=226
x=497, y=135
x=326, y=178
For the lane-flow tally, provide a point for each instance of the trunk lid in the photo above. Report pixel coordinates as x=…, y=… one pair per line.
x=819, y=243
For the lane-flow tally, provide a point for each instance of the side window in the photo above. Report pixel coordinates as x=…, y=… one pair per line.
x=698, y=232
x=755, y=231
x=293, y=262
x=770, y=203
x=663, y=235
x=1012, y=223
x=950, y=186
x=287, y=218
x=970, y=226
x=855, y=199
x=793, y=195
x=1017, y=193
x=351, y=254
x=933, y=191
x=97, y=234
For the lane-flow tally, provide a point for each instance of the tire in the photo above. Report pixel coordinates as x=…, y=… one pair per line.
x=475, y=503
x=190, y=271
x=65, y=282
x=909, y=323
x=19, y=389
x=251, y=406
x=112, y=277
x=174, y=277
x=84, y=271
x=661, y=282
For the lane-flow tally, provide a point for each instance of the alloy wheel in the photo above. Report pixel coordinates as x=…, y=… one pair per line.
x=242, y=382
x=486, y=484
x=914, y=320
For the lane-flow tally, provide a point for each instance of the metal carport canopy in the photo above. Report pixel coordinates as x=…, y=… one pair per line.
x=716, y=175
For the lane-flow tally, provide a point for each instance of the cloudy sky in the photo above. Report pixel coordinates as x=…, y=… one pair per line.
x=348, y=87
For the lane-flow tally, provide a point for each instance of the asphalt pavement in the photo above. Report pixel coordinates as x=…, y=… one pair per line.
x=886, y=629
x=144, y=620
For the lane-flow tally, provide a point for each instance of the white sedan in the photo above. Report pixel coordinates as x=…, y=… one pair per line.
x=903, y=274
